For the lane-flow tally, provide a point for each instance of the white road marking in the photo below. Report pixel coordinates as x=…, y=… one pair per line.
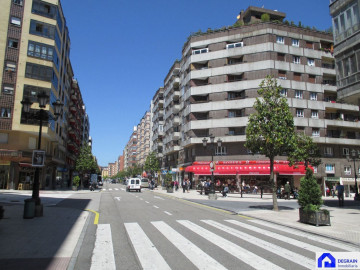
x=141, y=199
x=146, y=201
x=280, y=237
x=277, y=250
x=159, y=198
x=166, y=212
x=199, y=258
x=122, y=189
x=118, y=198
x=147, y=253
x=103, y=254
x=110, y=188
x=245, y=255
x=116, y=189
x=156, y=206
x=312, y=237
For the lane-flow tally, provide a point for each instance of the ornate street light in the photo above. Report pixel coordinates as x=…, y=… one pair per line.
x=212, y=165
x=42, y=98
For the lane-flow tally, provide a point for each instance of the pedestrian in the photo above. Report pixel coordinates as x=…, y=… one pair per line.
x=187, y=185
x=225, y=191
x=184, y=185
x=340, y=193
x=255, y=189
x=287, y=189
x=176, y=185
x=202, y=187
x=152, y=184
x=333, y=191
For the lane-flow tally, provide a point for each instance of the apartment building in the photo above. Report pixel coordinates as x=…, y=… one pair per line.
x=34, y=59
x=346, y=27
x=143, y=138
x=171, y=140
x=220, y=72
x=157, y=120
x=131, y=149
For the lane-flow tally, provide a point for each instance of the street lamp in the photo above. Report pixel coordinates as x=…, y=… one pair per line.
x=353, y=157
x=212, y=166
x=42, y=98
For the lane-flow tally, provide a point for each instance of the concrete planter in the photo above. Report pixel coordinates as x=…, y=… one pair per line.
x=169, y=190
x=317, y=218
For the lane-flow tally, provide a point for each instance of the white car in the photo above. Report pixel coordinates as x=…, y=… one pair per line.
x=133, y=184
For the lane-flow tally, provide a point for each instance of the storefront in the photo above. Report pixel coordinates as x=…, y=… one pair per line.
x=247, y=172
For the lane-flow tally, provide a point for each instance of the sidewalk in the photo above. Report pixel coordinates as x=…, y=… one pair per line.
x=345, y=221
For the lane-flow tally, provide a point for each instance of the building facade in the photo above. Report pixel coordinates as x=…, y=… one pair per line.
x=34, y=59
x=143, y=139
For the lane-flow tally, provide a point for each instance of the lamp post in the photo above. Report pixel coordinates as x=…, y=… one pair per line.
x=353, y=157
x=212, y=165
x=42, y=98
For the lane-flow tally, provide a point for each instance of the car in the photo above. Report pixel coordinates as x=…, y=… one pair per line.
x=113, y=181
x=133, y=184
x=100, y=183
x=144, y=183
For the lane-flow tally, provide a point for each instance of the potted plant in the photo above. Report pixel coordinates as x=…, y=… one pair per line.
x=169, y=183
x=76, y=182
x=310, y=201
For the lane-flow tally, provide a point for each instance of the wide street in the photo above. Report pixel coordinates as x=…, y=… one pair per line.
x=151, y=230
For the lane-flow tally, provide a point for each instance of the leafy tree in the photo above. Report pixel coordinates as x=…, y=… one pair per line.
x=310, y=193
x=265, y=17
x=270, y=130
x=76, y=181
x=152, y=163
x=85, y=163
x=305, y=150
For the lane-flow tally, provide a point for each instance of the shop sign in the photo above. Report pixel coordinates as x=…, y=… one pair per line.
x=332, y=179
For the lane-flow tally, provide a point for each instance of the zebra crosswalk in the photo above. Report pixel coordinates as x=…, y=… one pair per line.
x=270, y=249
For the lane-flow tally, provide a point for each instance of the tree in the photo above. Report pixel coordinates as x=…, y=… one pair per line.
x=305, y=150
x=270, y=130
x=85, y=163
x=310, y=193
x=152, y=163
x=265, y=17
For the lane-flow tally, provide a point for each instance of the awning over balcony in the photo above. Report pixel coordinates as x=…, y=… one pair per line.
x=249, y=167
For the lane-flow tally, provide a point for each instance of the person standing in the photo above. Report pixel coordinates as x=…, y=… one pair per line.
x=287, y=189
x=340, y=193
x=184, y=185
x=187, y=185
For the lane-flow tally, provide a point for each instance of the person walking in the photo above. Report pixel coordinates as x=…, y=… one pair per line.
x=184, y=185
x=287, y=189
x=340, y=193
x=187, y=185
x=225, y=191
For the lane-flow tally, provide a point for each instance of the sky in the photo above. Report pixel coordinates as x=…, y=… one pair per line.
x=121, y=52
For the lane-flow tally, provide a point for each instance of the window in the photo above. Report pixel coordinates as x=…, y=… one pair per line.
x=281, y=57
x=295, y=42
x=199, y=51
x=296, y=59
x=235, y=113
x=314, y=114
x=40, y=50
x=315, y=132
x=347, y=170
x=297, y=76
x=10, y=66
x=311, y=62
x=42, y=29
x=280, y=39
x=15, y=21
x=328, y=151
x=312, y=79
x=44, y=9
x=299, y=113
x=39, y=72
x=299, y=94
x=4, y=137
x=236, y=95
x=346, y=151
x=283, y=92
x=309, y=45
x=8, y=89
x=18, y=2
x=234, y=45
x=220, y=151
x=329, y=168
x=5, y=112
x=282, y=74
x=13, y=43
x=315, y=169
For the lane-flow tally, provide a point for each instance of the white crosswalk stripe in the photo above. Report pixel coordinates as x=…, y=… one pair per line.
x=199, y=258
x=147, y=253
x=313, y=237
x=283, y=252
x=246, y=256
x=151, y=258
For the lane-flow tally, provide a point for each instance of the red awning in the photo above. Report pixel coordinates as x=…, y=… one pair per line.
x=250, y=168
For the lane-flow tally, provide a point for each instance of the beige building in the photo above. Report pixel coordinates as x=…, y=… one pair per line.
x=157, y=119
x=143, y=139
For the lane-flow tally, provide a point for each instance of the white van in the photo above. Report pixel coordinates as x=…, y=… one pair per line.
x=133, y=184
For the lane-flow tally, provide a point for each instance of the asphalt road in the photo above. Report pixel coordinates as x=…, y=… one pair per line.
x=152, y=231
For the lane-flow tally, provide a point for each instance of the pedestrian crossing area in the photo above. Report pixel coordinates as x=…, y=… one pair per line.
x=252, y=244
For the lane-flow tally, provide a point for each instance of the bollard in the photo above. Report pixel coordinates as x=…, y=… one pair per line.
x=29, y=208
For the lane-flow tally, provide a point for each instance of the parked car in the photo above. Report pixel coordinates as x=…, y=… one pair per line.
x=144, y=183
x=133, y=184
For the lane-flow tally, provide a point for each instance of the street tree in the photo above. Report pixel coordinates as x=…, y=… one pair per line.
x=270, y=130
x=305, y=150
x=152, y=163
x=85, y=162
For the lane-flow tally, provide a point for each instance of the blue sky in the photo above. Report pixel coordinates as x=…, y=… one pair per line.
x=121, y=52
